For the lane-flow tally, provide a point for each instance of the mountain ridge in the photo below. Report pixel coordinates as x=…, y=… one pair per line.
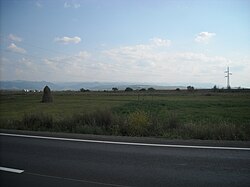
x=59, y=86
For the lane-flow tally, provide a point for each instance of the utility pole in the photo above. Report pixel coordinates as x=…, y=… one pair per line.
x=228, y=77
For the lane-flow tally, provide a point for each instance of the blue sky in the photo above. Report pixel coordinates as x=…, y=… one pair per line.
x=125, y=40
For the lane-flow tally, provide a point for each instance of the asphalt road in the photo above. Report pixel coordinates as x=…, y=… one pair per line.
x=48, y=162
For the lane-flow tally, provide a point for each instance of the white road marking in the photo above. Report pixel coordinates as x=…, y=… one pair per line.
x=11, y=170
x=126, y=143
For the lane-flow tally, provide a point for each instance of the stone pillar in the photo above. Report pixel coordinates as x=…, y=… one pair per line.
x=47, y=96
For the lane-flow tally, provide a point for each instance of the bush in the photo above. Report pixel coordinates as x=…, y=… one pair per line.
x=138, y=124
x=207, y=131
x=84, y=90
x=103, y=118
x=37, y=121
x=151, y=89
x=173, y=122
x=190, y=88
x=114, y=89
x=128, y=89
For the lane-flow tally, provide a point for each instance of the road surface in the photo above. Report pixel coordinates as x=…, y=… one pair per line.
x=64, y=162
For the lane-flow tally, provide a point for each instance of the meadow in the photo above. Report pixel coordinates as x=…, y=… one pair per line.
x=199, y=114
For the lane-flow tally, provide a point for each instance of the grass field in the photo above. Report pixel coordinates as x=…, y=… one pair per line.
x=170, y=114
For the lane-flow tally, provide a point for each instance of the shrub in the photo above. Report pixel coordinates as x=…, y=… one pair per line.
x=94, y=122
x=128, y=89
x=103, y=118
x=84, y=90
x=138, y=123
x=157, y=126
x=37, y=121
x=134, y=123
x=222, y=131
x=173, y=122
x=190, y=88
x=151, y=89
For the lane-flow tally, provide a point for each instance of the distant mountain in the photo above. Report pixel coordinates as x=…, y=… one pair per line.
x=29, y=85
x=39, y=85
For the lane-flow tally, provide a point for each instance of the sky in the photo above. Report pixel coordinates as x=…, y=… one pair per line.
x=144, y=41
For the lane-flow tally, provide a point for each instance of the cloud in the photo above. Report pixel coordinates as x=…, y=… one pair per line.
x=204, y=37
x=68, y=40
x=83, y=54
x=149, y=53
x=12, y=47
x=71, y=5
x=15, y=38
x=160, y=42
x=151, y=61
x=75, y=67
x=148, y=63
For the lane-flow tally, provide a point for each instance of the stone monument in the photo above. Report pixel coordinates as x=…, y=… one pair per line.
x=47, y=96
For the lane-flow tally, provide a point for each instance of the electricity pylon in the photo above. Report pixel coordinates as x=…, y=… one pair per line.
x=228, y=77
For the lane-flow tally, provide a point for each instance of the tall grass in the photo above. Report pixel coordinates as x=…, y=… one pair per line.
x=137, y=123
x=36, y=121
x=166, y=114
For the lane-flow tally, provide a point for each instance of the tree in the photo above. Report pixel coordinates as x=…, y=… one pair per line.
x=83, y=90
x=114, y=89
x=190, y=88
x=151, y=89
x=142, y=90
x=215, y=88
x=47, y=96
x=128, y=89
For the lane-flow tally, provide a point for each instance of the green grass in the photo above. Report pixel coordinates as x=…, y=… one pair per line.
x=167, y=114
x=15, y=105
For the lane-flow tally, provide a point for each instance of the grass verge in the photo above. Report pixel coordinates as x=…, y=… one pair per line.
x=198, y=115
x=137, y=123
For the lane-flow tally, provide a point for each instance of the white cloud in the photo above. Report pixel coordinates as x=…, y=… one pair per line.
x=71, y=5
x=68, y=40
x=83, y=54
x=12, y=47
x=204, y=37
x=138, y=63
x=149, y=64
x=142, y=52
x=78, y=67
x=161, y=42
x=15, y=38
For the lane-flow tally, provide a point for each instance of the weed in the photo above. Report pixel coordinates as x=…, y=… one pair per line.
x=138, y=123
x=37, y=121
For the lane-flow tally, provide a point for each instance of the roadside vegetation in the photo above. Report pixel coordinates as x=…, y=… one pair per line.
x=170, y=114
